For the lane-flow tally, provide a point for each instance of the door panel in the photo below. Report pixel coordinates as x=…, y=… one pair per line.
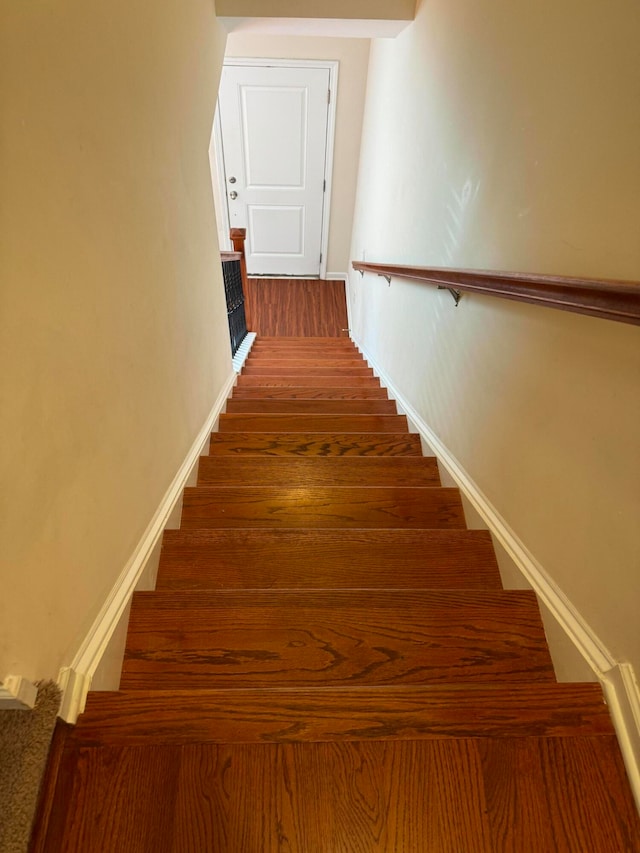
x=274, y=148
x=276, y=230
x=274, y=129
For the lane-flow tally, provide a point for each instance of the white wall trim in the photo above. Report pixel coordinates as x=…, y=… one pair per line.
x=216, y=155
x=332, y=65
x=17, y=693
x=75, y=680
x=336, y=276
x=618, y=679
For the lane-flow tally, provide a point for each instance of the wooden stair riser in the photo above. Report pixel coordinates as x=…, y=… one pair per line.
x=330, y=364
x=265, y=506
x=235, y=639
x=317, y=357
x=323, y=343
x=327, y=559
x=311, y=407
x=307, y=392
x=284, y=423
x=138, y=717
x=323, y=471
x=314, y=444
x=293, y=381
x=285, y=340
x=305, y=351
x=311, y=372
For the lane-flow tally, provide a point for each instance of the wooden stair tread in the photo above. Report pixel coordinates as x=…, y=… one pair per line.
x=308, y=714
x=321, y=471
x=310, y=392
x=333, y=559
x=477, y=795
x=315, y=444
x=258, y=638
x=283, y=423
x=311, y=407
x=322, y=506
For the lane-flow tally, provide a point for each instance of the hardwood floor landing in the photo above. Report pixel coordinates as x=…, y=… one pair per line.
x=300, y=307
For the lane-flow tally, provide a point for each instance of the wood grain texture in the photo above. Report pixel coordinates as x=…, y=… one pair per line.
x=302, y=307
x=344, y=671
x=346, y=637
x=316, y=506
x=320, y=354
x=605, y=298
x=294, y=369
x=301, y=362
x=48, y=787
x=310, y=392
x=283, y=423
x=343, y=714
x=293, y=381
x=112, y=800
x=558, y=794
x=320, y=471
x=363, y=797
x=311, y=407
x=314, y=444
x=272, y=798
x=293, y=340
x=306, y=347
x=335, y=797
x=329, y=559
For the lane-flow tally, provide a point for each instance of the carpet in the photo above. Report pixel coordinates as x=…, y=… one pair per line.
x=25, y=737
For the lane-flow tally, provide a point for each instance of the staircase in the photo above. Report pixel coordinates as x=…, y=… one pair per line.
x=329, y=661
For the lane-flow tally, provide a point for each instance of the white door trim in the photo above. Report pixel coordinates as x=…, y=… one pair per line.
x=224, y=225
x=332, y=66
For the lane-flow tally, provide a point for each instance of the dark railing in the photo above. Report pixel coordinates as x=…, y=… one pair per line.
x=234, y=274
x=234, y=293
x=611, y=300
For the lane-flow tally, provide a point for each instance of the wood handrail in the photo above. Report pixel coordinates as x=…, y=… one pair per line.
x=230, y=256
x=606, y=298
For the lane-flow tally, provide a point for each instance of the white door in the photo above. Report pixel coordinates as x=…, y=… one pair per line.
x=274, y=138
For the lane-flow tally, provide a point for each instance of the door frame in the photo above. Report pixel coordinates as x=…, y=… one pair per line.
x=332, y=66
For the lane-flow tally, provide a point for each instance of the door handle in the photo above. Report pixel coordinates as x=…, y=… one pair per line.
x=233, y=195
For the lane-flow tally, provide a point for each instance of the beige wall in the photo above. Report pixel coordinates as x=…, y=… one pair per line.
x=353, y=56
x=506, y=135
x=383, y=9
x=113, y=326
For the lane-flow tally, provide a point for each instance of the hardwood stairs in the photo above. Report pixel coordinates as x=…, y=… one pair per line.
x=329, y=661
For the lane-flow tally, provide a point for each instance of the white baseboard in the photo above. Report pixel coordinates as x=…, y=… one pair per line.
x=617, y=678
x=17, y=693
x=336, y=276
x=75, y=679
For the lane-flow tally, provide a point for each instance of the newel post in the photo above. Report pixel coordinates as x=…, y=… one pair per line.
x=238, y=237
